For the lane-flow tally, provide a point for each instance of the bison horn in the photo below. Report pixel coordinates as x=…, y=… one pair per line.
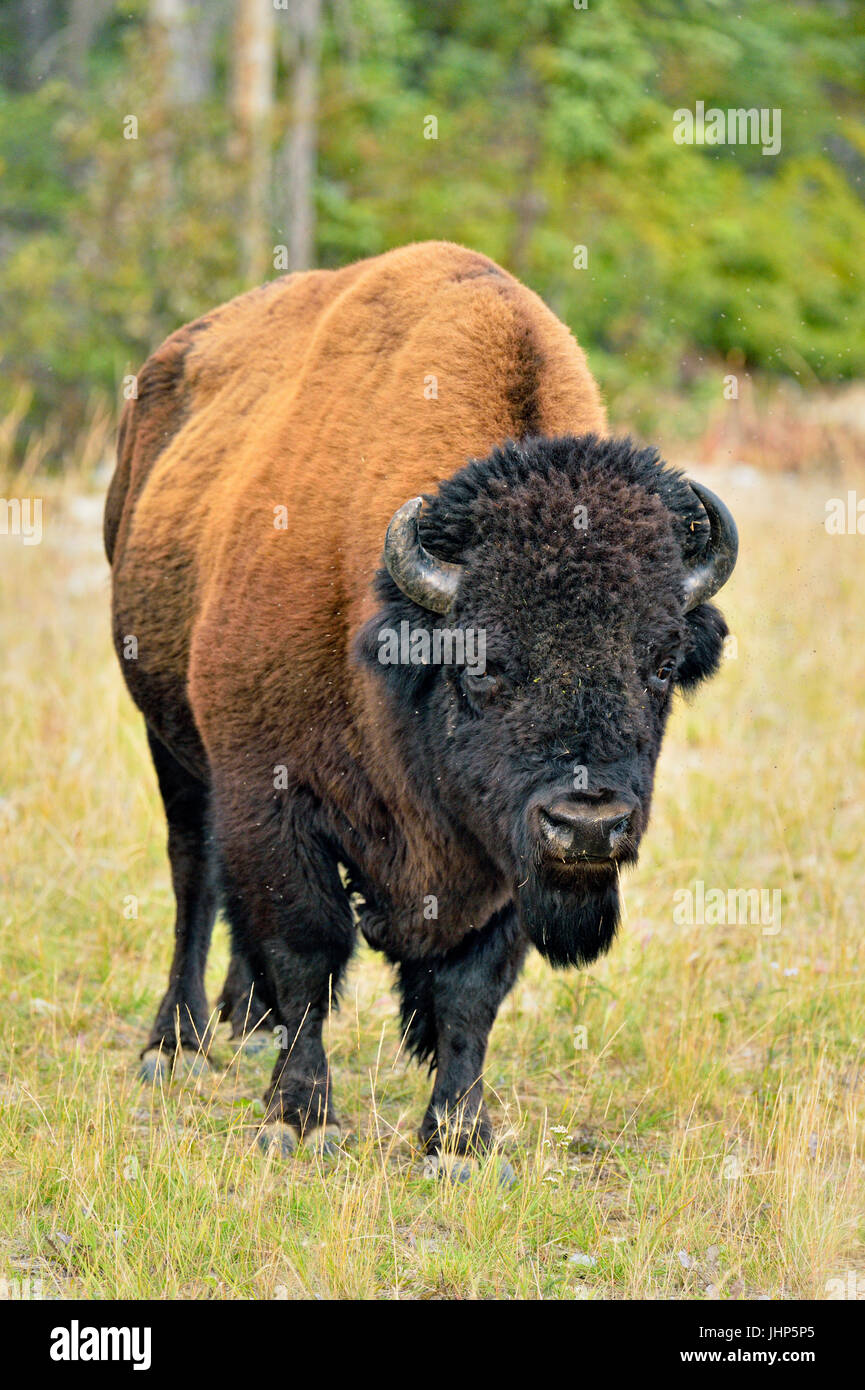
x=716, y=565
x=431, y=583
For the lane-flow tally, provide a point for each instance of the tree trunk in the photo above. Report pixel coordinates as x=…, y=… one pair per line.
x=252, y=103
x=86, y=18
x=300, y=146
x=35, y=22
x=186, y=31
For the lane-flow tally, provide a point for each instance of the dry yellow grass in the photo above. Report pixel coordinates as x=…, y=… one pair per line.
x=705, y=1141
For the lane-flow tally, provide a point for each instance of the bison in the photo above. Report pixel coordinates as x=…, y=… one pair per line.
x=404, y=624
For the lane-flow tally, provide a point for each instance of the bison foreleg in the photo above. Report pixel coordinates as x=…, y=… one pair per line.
x=449, y=1005
x=292, y=925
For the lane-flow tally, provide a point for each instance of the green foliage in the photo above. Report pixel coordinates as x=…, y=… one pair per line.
x=555, y=129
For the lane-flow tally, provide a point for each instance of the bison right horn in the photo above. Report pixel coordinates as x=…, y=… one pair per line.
x=430, y=582
x=715, y=567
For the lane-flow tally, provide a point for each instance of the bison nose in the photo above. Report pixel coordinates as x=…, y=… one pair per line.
x=574, y=828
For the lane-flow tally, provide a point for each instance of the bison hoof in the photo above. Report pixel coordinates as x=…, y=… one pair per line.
x=505, y=1175
x=459, y=1168
x=326, y=1140
x=283, y=1140
x=453, y=1168
x=162, y=1064
x=279, y=1139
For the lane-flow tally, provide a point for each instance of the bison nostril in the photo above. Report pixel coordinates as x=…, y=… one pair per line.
x=548, y=825
x=621, y=826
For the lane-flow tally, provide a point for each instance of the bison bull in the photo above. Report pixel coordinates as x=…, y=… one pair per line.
x=412, y=445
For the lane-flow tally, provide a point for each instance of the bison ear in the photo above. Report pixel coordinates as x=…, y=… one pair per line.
x=707, y=629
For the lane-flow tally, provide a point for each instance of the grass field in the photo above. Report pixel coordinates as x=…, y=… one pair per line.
x=685, y=1117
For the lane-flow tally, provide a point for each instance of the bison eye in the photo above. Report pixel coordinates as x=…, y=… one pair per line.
x=663, y=675
x=481, y=689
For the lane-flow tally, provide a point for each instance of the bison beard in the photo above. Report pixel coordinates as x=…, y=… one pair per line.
x=571, y=920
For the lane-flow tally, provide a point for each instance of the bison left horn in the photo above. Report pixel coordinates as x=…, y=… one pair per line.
x=430, y=582
x=715, y=567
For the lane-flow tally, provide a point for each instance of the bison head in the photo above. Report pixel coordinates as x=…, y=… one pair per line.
x=576, y=572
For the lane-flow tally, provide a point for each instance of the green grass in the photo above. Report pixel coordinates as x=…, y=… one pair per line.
x=705, y=1142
